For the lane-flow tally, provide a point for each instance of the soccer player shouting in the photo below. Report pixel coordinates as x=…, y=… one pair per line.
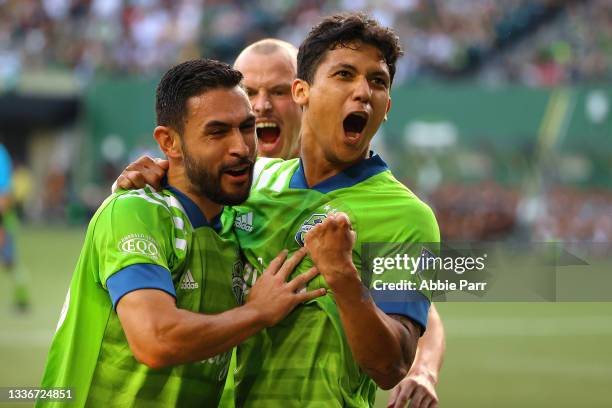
x=331, y=352
x=150, y=314
x=328, y=352
x=269, y=67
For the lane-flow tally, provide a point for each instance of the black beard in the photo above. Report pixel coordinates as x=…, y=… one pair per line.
x=206, y=184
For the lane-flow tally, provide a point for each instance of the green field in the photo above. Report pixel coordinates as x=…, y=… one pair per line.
x=498, y=354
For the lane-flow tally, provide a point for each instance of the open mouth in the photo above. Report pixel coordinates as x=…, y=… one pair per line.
x=354, y=124
x=239, y=171
x=268, y=134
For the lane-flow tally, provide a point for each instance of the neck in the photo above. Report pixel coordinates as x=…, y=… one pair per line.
x=178, y=179
x=318, y=167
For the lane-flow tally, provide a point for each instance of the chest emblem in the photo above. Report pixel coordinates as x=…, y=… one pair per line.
x=307, y=225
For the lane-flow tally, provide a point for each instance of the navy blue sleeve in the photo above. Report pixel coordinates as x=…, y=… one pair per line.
x=139, y=276
x=416, y=309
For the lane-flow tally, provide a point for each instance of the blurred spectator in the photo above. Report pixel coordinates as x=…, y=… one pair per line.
x=488, y=211
x=575, y=215
x=55, y=197
x=440, y=37
x=23, y=187
x=88, y=36
x=483, y=211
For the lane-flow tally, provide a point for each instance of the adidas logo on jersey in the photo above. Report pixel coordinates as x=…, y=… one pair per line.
x=188, y=282
x=244, y=222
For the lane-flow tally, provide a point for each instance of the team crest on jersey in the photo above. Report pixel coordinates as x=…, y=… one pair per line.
x=307, y=225
x=238, y=283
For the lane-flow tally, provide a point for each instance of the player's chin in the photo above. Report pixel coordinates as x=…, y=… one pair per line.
x=236, y=192
x=349, y=153
x=235, y=196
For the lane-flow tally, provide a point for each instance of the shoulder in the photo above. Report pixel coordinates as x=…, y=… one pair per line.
x=147, y=207
x=267, y=164
x=385, y=203
x=264, y=163
x=268, y=170
x=133, y=202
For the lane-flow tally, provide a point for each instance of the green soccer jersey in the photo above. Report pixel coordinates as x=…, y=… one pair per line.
x=305, y=360
x=136, y=240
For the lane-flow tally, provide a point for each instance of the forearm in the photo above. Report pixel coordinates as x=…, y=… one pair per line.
x=431, y=347
x=163, y=337
x=160, y=334
x=382, y=346
x=196, y=337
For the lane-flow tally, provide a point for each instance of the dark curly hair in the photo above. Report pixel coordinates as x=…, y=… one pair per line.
x=340, y=30
x=189, y=79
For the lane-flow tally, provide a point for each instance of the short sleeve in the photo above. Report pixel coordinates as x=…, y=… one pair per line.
x=134, y=247
x=398, y=267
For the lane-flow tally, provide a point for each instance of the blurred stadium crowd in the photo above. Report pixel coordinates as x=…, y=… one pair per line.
x=537, y=43
x=441, y=38
x=490, y=211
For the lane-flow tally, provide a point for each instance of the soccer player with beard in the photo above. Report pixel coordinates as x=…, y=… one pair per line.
x=150, y=314
x=319, y=355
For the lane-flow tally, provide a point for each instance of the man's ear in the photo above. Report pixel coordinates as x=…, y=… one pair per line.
x=300, y=90
x=169, y=142
x=388, y=106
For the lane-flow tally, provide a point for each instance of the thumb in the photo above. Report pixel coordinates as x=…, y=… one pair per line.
x=163, y=163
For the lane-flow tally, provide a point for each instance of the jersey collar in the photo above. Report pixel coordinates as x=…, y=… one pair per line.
x=195, y=215
x=346, y=178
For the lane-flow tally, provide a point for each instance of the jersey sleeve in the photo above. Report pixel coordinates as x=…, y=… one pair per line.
x=134, y=246
x=397, y=267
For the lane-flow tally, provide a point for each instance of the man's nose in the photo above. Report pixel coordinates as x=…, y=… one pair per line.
x=261, y=103
x=362, y=91
x=238, y=144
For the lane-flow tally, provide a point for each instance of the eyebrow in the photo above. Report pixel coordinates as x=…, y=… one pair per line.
x=217, y=124
x=220, y=124
x=282, y=87
x=353, y=68
x=344, y=65
x=250, y=120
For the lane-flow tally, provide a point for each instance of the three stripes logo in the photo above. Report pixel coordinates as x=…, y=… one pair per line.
x=244, y=222
x=188, y=282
